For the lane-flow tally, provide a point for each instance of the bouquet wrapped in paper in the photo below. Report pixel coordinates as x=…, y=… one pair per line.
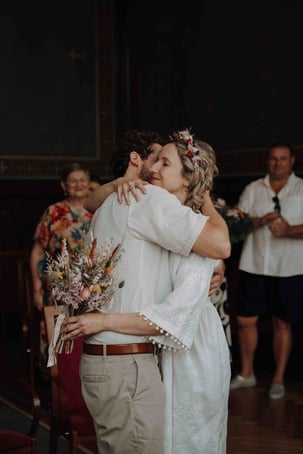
x=81, y=281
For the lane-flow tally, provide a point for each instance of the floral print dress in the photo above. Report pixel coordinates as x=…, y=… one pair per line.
x=60, y=221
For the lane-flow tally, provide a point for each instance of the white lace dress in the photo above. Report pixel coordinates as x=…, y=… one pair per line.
x=195, y=360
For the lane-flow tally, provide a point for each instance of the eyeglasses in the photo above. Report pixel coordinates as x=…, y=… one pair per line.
x=277, y=207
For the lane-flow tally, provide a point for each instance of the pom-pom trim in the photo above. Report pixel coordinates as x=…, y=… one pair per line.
x=162, y=331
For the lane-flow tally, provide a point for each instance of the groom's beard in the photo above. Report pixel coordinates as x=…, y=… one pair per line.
x=145, y=175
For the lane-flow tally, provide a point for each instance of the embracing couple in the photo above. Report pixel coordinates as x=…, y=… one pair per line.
x=170, y=242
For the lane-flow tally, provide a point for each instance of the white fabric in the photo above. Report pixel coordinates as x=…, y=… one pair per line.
x=158, y=220
x=196, y=380
x=52, y=359
x=262, y=253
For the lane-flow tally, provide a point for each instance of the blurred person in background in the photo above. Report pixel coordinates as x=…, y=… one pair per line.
x=271, y=267
x=64, y=219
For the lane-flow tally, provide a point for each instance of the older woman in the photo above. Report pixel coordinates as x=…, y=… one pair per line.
x=185, y=324
x=65, y=219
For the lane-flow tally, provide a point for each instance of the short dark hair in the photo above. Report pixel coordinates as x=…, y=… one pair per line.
x=73, y=167
x=281, y=145
x=134, y=140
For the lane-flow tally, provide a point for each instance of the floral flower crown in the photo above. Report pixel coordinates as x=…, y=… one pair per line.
x=193, y=153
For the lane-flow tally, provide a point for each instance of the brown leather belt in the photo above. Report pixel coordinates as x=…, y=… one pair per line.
x=118, y=349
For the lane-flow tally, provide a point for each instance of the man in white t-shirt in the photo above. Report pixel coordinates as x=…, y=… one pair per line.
x=271, y=267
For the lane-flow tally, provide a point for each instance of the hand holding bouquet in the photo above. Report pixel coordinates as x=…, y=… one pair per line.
x=81, y=281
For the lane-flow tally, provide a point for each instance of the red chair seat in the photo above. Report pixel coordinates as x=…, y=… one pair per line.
x=70, y=417
x=11, y=441
x=81, y=420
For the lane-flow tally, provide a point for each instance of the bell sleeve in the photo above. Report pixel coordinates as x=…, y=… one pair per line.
x=178, y=316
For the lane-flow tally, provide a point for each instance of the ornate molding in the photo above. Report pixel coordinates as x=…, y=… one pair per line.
x=48, y=166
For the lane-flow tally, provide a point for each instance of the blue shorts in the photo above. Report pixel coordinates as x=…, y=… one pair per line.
x=281, y=297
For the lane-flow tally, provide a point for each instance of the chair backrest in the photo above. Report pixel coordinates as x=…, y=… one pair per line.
x=21, y=397
x=67, y=403
x=67, y=367
x=30, y=325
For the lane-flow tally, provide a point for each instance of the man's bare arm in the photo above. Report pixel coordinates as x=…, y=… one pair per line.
x=37, y=254
x=264, y=220
x=217, y=278
x=91, y=323
x=97, y=197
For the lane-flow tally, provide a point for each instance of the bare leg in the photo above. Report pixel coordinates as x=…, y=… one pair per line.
x=248, y=340
x=282, y=344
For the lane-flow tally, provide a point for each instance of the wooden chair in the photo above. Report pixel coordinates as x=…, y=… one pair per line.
x=12, y=263
x=70, y=417
x=30, y=324
x=18, y=316
x=23, y=396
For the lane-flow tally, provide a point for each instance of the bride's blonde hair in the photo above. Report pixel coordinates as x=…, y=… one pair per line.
x=199, y=166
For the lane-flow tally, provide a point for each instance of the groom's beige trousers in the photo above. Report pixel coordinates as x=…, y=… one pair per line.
x=125, y=396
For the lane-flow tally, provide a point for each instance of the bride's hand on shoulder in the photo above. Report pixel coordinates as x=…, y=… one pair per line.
x=125, y=186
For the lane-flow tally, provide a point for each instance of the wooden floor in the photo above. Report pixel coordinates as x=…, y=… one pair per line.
x=256, y=424
x=259, y=425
